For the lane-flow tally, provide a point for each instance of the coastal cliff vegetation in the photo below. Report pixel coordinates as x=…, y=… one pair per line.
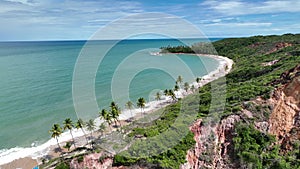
x=259, y=61
x=260, y=64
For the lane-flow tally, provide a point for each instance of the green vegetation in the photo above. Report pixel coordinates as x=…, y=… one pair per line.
x=176, y=49
x=258, y=150
x=161, y=124
x=56, y=131
x=62, y=166
x=199, y=48
x=68, y=124
x=171, y=158
x=141, y=103
x=248, y=80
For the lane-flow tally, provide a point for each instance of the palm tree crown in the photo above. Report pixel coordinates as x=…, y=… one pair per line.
x=176, y=87
x=179, y=79
x=157, y=96
x=68, y=124
x=56, y=131
x=172, y=94
x=79, y=125
x=186, y=86
x=114, y=110
x=166, y=92
x=90, y=125
x=198, y=79
x=141, y=103
x=129, y=105
x=193, y=88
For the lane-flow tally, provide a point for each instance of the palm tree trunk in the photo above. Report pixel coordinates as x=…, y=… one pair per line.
x=73, y=139
x=119, y=123
x=58, y=143
x=87, y=142
x=92, y=140
x=110, y=127
x=116, y=124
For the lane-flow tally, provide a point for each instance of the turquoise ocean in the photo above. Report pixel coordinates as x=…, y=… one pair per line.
x=36, y=83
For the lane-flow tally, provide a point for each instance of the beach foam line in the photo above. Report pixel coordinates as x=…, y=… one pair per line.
x=8, y=155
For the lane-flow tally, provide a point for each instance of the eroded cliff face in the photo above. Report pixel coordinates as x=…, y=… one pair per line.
x=213, y=144
x=92, y=161
x=214, y=150
x=284, y=121
x=214, y=147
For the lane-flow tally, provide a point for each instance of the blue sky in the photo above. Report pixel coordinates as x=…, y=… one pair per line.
x=79, y=19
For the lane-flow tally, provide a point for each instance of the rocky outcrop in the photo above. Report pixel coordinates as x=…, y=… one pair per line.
x=214, y=147
x=279, y=46
x=213, y=144
x=284, y=120
x=193, y=155
x=268, y=48
x=94, y=160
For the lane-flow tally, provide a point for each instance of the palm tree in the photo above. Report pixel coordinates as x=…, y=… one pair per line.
x=172, y=94
x=198, y=79
x=102, y=128
x=186, y=86
x=157, y=96
x=90, y=125
x=79, y=125
x=176, y=87
x=193, y=88
x=56, y=131
x=68, y=145
x=129, y=105
x=114, y=112
x=105, y=116
x=179, y=80
x=166, y=92
x=113, y=104
x=141, y=103
x=68, y=124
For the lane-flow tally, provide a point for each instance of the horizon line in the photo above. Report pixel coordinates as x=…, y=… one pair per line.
x=163, y=38
x=70, y=40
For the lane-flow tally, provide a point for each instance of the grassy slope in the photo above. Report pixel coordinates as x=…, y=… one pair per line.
x=247, y=80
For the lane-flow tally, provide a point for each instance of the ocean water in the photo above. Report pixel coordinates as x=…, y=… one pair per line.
x=36, y=83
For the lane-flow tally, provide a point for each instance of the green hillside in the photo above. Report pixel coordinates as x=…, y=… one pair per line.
x=249, y=78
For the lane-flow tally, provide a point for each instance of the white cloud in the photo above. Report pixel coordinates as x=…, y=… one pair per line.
x=244, y=24
x=217, y=20
x=238, y=7
x=25, y=2
x=76, y=17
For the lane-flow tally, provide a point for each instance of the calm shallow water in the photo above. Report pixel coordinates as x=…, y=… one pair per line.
x=36, y=83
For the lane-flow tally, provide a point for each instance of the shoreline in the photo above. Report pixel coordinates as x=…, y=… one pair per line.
x=48, y=148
